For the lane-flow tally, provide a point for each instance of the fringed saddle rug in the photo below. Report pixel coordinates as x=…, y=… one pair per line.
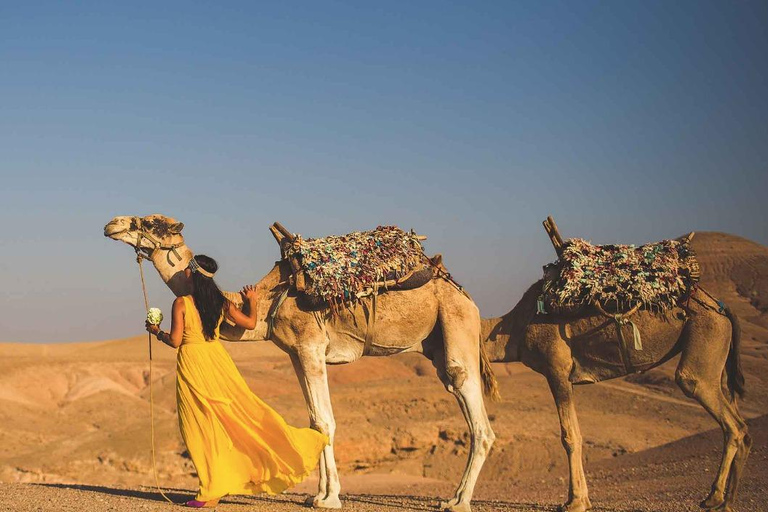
x=655, y=275
x=341, y=267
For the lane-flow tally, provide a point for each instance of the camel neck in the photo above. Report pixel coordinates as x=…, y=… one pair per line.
x=171, y=269
x=498, y=338
x=504, y=335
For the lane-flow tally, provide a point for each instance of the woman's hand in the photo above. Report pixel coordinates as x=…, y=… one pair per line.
x=251, y=299
x=249, y=293
x=151, y=328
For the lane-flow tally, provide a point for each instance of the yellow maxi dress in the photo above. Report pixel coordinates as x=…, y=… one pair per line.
x=238, y=444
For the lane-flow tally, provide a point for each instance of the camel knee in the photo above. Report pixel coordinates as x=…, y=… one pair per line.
x=456, y=377
x=739, y=437
x=487, y=438
x=746, y=441
x=570, y=441
x=324, y=427
x=483, y=441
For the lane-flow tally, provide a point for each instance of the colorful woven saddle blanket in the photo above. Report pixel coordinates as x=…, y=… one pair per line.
x=340, y=268
x=619, y=277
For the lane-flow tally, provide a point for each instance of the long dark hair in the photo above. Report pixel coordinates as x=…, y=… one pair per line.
x=208, y=298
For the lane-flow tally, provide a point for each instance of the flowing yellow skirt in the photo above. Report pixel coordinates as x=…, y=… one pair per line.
x=238, y=444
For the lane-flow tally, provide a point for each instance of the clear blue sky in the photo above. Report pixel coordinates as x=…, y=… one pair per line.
x=467, y=121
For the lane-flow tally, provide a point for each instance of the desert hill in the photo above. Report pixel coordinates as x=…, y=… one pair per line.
x=79, y=414
x=734, y=264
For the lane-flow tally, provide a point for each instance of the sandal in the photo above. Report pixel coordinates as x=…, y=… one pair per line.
x=202, y=504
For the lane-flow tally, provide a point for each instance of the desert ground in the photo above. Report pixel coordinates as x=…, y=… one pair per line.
x=74, y=424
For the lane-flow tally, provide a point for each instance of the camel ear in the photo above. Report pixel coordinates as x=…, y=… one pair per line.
x=176, y=228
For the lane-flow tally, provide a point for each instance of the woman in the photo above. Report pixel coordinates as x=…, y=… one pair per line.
x=238, y=444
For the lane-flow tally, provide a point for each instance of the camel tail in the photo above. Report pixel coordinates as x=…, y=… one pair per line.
x=733, y=363
x=490, y=384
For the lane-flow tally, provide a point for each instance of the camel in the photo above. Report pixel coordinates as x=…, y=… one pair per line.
x=705, y=332
x=437, y=320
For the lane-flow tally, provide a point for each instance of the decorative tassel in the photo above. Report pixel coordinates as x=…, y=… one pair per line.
x=636, y=335
x=540, y=306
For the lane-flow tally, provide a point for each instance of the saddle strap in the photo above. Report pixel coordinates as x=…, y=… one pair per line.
x=620, y=321
x=273, y=312
x=370, y=329
x=624, y=350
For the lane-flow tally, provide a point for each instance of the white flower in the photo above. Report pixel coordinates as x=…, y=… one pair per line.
x=154, y=316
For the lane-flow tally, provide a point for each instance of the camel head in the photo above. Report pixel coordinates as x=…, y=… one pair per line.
x=158, y=238
x=146, y=233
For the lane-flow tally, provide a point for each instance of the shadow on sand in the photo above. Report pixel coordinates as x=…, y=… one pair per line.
x=408, y=502
x=178, y=496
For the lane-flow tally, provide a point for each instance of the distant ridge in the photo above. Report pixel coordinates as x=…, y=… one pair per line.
x=732, y=263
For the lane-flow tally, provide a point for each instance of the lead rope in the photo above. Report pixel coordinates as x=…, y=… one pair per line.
x=139, y=259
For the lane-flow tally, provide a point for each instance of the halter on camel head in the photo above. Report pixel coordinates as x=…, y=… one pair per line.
x=137, y=226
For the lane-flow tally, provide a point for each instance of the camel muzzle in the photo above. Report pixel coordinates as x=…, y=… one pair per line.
x=113, y=229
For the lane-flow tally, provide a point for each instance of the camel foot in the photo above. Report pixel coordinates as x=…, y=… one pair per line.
x=713, y=501
x=458, y=507
x=327, y=502
x=576, y=505
x=444, y=505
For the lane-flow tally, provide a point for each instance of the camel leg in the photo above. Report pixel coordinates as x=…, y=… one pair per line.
x=562, y=391
x=742, y=453
x=446, y=505
x=482, y=439
x=322, y=482
x=739, y=460
x=698, y=380
x=309, y=364
x=461, y=376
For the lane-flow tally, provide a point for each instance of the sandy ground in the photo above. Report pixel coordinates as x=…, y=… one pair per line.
x=40, y=497
x=74, y=424
x=670, y=478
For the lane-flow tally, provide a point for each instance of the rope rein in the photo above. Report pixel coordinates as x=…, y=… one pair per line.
x=139, y=258
x=721, y=307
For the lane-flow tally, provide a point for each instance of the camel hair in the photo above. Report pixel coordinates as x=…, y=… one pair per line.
x=705, y=332
x=437, y=320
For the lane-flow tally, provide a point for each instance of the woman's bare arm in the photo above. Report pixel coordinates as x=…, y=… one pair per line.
x=172, y=339
x=238, y=317
x=177, y=323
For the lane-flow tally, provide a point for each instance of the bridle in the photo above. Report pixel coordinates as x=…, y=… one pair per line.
x=156, y=244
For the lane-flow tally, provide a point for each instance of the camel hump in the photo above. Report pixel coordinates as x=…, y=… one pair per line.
x=654, y=276
x=341, y=269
